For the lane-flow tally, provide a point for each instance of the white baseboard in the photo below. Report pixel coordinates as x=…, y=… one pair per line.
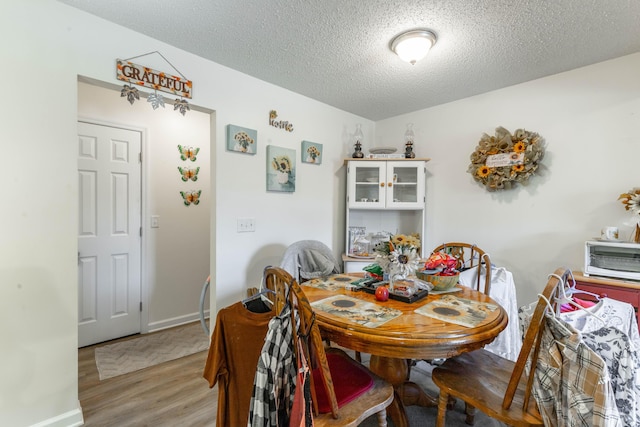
x=68, y=419
x=176, y=321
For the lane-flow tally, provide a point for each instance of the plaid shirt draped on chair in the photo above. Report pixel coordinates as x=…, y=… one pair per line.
x=274, y=384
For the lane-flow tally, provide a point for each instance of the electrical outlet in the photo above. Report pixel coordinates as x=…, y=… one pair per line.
x=246, y=225
x=155, y=221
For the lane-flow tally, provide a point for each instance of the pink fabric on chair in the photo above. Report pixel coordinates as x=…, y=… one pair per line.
x=581, y=302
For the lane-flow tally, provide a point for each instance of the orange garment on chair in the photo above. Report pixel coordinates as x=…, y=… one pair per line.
x=236, y=344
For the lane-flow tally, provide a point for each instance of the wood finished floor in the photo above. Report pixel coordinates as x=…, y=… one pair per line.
x=174, y=394
x=170, y=394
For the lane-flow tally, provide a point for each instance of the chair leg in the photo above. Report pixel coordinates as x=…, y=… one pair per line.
x=382, y=418
x=358, y=357
x=471, y=413
x=442, y=408
x=451, y=403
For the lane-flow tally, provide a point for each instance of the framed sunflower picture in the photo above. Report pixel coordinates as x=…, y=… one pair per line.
x=504, y=160
x=242, y=140
x=311, y=153
x=281, y=169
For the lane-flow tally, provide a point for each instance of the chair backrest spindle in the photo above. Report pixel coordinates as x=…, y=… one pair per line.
x=307, y=331
x=532, y=338
x=468, y=256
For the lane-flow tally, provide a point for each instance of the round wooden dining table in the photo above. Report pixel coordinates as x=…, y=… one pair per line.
x=410, y=335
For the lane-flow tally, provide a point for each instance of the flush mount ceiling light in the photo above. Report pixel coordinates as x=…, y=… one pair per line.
x=412, y=46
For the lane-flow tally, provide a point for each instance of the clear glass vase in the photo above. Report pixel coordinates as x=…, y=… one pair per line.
x=394, y=275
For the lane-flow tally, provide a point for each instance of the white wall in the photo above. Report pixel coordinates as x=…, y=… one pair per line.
x=176, y=255
x=590, y=119
x=48, y=46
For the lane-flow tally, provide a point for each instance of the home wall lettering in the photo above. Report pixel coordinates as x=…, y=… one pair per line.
x=280, y=124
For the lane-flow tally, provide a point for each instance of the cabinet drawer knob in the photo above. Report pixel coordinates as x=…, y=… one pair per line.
x=390, y=184
x=382, y=184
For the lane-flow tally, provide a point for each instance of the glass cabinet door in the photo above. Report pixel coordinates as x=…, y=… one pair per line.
x=405, y=185
x=366, y=184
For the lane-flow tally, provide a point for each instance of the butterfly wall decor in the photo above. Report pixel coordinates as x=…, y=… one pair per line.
x=189, y=174
x=188, y=152
x=191, y=197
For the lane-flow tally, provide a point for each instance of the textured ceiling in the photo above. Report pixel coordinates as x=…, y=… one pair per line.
x=337, y=51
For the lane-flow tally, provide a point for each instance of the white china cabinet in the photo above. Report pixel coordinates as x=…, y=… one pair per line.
x=383, y=197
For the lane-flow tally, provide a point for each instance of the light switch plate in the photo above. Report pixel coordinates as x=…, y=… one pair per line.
x=246, y=225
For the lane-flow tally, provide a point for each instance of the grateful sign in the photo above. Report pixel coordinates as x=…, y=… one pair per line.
x=158, y=80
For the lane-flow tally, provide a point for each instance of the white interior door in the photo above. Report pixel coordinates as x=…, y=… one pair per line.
x=109, y=241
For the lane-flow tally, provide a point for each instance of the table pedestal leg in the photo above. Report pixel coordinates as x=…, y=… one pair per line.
x=412, y=394
x=395, y=371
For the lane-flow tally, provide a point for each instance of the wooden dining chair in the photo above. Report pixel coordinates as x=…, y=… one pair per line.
x=470, y=256
x=493, y=384
x=344, y=392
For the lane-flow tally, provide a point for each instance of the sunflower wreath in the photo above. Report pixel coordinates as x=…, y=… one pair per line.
x=503, y=160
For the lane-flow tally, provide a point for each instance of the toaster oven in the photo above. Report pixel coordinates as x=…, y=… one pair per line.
x=612, y=259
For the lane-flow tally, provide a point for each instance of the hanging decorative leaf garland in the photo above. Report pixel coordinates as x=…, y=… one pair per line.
x=158, y=80
x=502, y=160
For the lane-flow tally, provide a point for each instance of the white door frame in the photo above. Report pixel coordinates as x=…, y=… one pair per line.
x=144, y=179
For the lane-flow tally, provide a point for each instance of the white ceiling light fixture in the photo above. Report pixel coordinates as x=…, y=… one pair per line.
x=412, y=46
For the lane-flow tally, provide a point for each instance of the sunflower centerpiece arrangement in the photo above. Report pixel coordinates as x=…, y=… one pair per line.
x=631, y=202
x=398, y=257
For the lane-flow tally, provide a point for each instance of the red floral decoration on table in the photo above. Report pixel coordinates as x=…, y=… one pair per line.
x=443, y=262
